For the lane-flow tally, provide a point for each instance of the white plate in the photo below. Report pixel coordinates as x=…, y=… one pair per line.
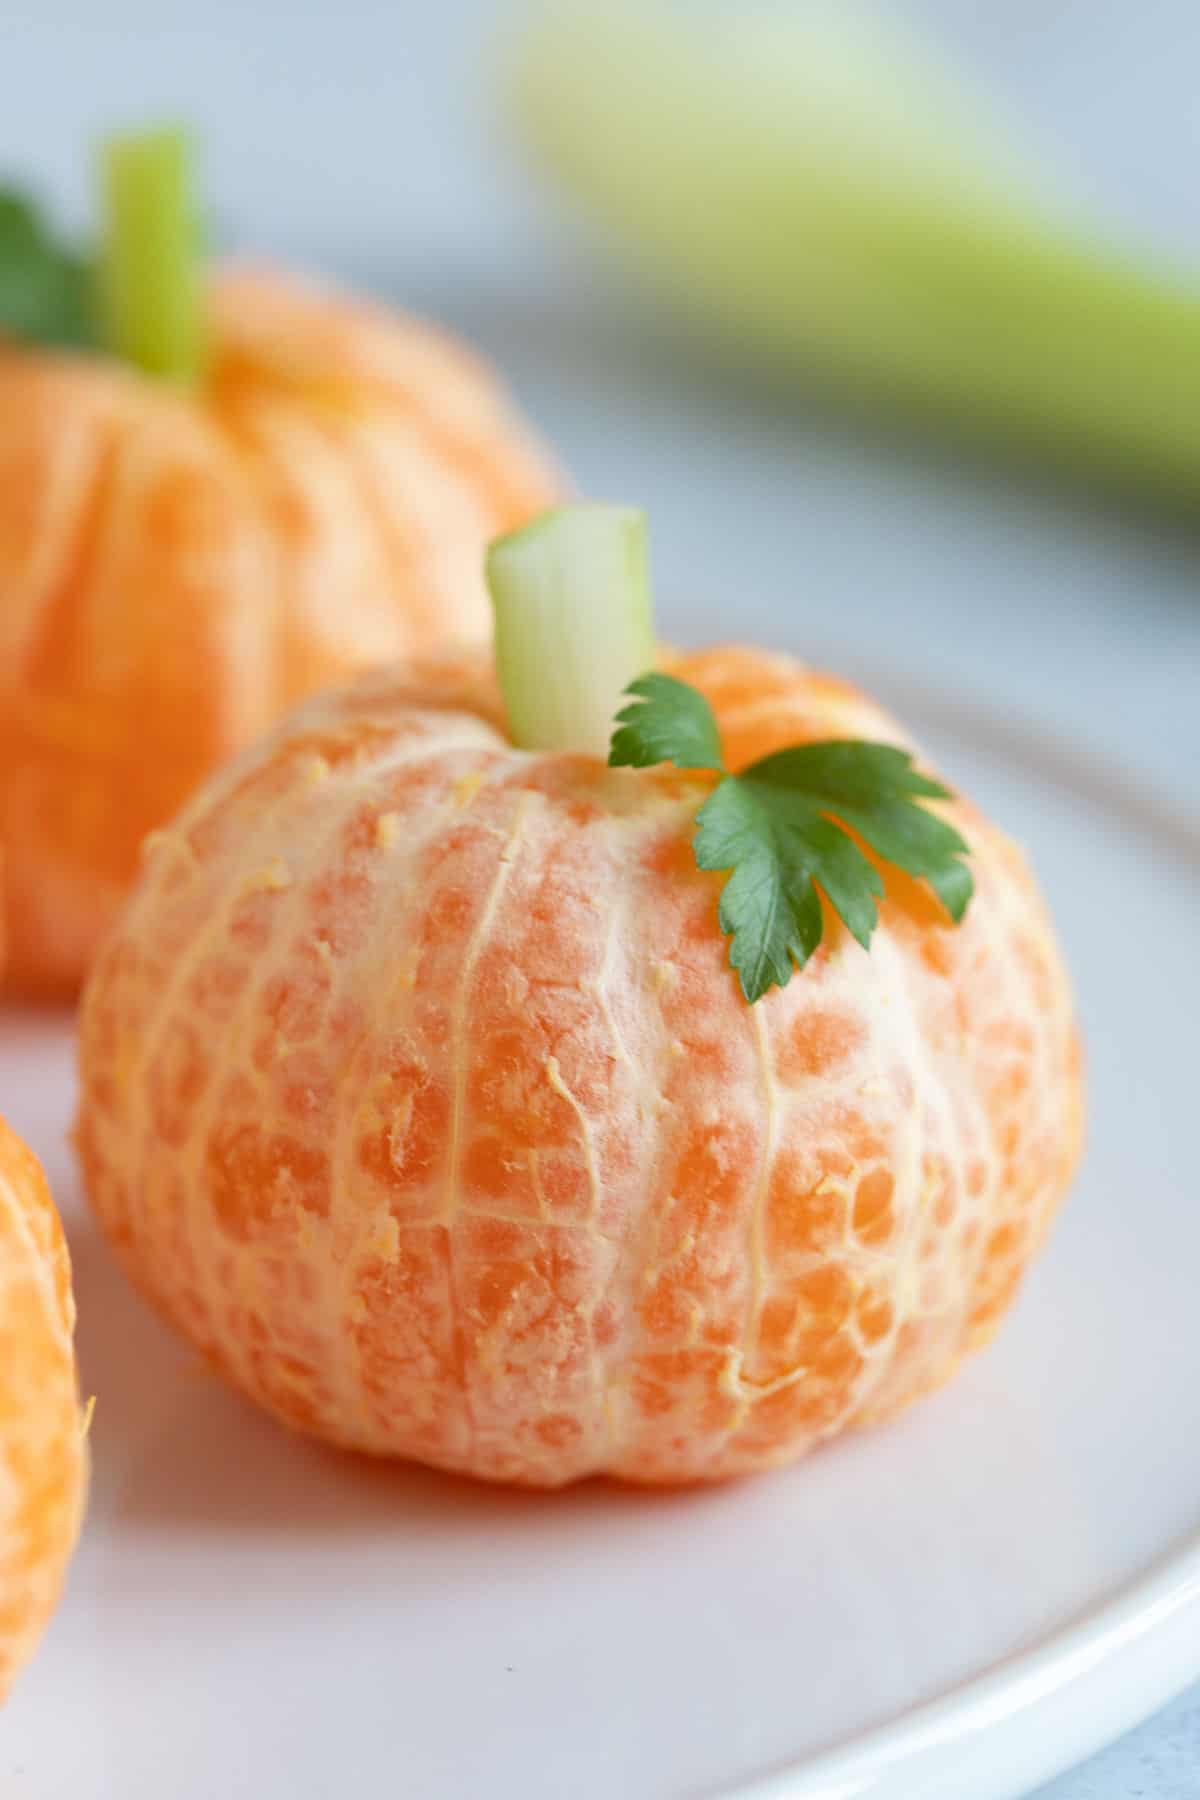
x=958, y=1605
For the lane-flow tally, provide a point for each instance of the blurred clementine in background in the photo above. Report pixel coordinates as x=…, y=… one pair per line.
x=418, y=1092
x=181, y=559
x=42, y=1456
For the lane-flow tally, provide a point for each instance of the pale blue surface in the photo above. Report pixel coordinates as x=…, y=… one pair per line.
x=1159, y=1761
x=351, y=135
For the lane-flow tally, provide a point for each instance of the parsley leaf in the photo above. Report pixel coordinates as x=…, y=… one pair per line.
x=779, y=827
x=668, y=722
x=46, y=290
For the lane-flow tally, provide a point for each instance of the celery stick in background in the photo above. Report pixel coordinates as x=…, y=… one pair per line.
x=813, y=189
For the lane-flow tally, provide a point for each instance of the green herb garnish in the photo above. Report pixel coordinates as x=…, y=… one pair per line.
x=47, y=293
x=780, y=828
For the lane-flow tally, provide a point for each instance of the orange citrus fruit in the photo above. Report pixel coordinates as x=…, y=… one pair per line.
x=177, y=568
x=42, y=1455
x=417, y=1091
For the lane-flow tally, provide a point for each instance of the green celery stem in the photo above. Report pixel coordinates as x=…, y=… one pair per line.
x=574, y=625
x=151, y=274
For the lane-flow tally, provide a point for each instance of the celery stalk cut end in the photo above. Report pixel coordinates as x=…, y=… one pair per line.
x=574, y=624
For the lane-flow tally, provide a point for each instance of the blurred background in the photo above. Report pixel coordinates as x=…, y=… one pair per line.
x=792, y=498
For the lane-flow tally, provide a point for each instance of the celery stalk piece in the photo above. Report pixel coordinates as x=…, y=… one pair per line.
x=574, y=625
x=820, y=198
x=151, y=275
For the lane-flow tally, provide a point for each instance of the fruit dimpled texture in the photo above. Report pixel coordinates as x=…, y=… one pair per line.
x=42, y=1456
x=418, y=1092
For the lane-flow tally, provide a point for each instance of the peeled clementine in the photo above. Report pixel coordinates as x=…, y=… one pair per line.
x=178, y=567
x=418, y=1092
x=42, y=1457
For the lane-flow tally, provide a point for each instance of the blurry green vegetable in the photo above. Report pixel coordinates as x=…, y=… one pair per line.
x=45, y=288
x=142, y=296
x=802, y=182
x=151, y=274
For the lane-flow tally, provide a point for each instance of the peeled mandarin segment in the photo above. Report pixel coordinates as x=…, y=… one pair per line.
x=417, y=1091
x=42, y=1456
x=178, y=568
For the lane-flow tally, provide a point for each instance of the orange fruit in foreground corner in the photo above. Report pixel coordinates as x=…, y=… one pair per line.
x=176, y=569
x=43, y=1464
x=418, y=1092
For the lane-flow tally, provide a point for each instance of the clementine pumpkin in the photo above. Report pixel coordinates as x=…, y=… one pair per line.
x=418, y=1092
x=177, y=566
